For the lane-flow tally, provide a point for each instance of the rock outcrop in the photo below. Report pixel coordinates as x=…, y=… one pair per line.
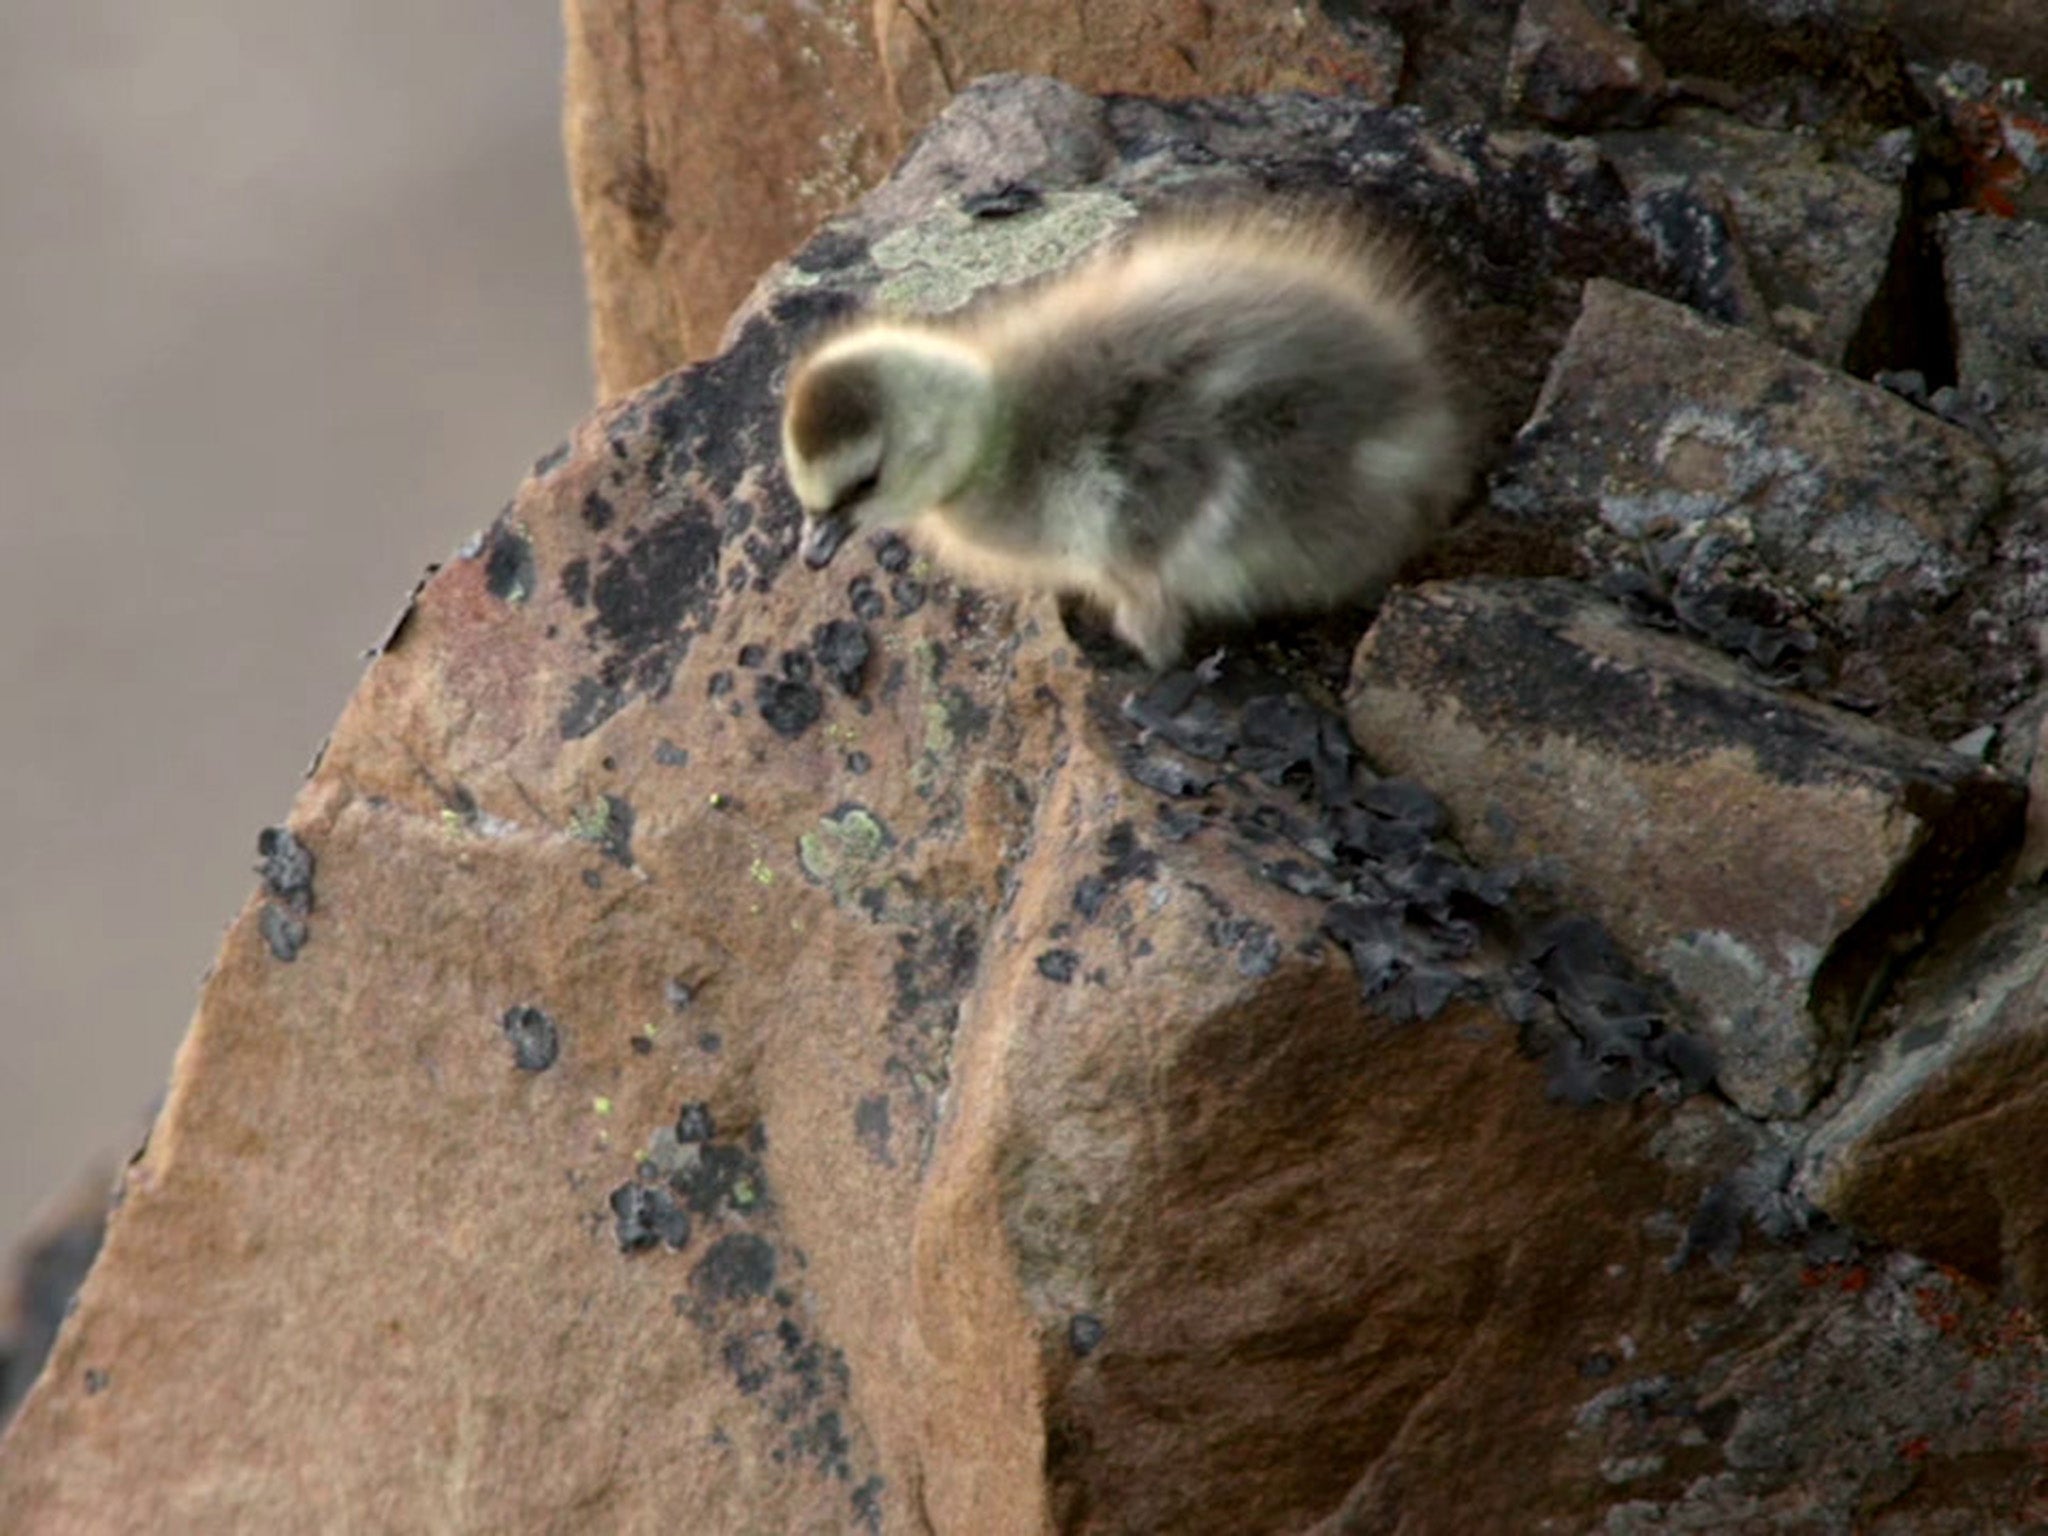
x=845, y=1052
x=703, y=146
x=1795, y=851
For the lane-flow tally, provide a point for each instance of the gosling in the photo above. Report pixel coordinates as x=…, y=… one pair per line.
x=1220, y=418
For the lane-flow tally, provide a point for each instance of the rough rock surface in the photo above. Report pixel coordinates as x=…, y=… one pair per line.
x=1569, y=69
x=703, y=147
x=1795, y=850
x=1763, y=501
x=1938, y=1149
x=1816, y=226
x=1787, y=62
x=824, y=1053
x=1999, y=300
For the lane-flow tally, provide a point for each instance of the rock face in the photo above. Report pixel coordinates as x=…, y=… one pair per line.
x=702, y=148
x=1816, y=228
x=1932, y=1151
x=1758, y=499
x=845, y=1053
x=1569, y=69
x=1794, y=850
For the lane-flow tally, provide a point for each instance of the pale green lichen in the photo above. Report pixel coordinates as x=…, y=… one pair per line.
x=940, y=262
x=591, y=823
x=843, y=850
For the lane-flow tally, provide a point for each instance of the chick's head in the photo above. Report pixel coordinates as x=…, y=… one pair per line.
x=879, y=426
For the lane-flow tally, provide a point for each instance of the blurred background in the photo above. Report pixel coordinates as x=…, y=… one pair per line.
x=289, y=299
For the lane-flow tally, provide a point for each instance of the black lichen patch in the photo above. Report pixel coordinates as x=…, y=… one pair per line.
x=1603, y=1032
x=867, y=603
x=931, y=976
x=1254, y=947
x=597, y=512
x=891, y=553
x=867, y=1505
x=739, y=1267
x=536, y=1042
x=842, y=649
x=285, y=934
x=1713, y=588
x=286, y=868
x=1421, y=924
x=646, y=1214
x=829, y=250
x=802, y=1384
x=590, y=704
x=1003, y=202
x=1060, y=965
x=1175, y=710
x=790, y=706
x=643, y=594
x=1124, y=859
x=871, y=1128
x=1084, y=1332
x=1761, y=1196
x=551, y=461
x=509, y=572
x=720, y=1178
x=694, y=1123
x=575, y=580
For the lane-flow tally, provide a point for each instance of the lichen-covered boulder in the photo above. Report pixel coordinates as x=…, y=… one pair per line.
x=703, y=145
x=1819, y=527
x=1936, y=1148
x=1770, y=857
x=796, y=1052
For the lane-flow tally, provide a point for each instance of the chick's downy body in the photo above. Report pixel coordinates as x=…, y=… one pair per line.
x=1214, y=420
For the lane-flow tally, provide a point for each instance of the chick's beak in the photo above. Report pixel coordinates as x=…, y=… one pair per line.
x=822, y=538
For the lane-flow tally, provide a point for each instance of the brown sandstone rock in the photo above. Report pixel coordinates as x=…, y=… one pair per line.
x=703, y=147
x=1768, y=856
x=810, y=1053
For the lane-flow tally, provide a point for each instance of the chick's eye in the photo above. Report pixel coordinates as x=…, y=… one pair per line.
x=854, y=494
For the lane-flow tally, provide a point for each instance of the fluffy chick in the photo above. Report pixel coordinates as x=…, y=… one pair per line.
x=1222, y=417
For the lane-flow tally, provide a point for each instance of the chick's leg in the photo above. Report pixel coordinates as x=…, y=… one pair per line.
x=1150, y=622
